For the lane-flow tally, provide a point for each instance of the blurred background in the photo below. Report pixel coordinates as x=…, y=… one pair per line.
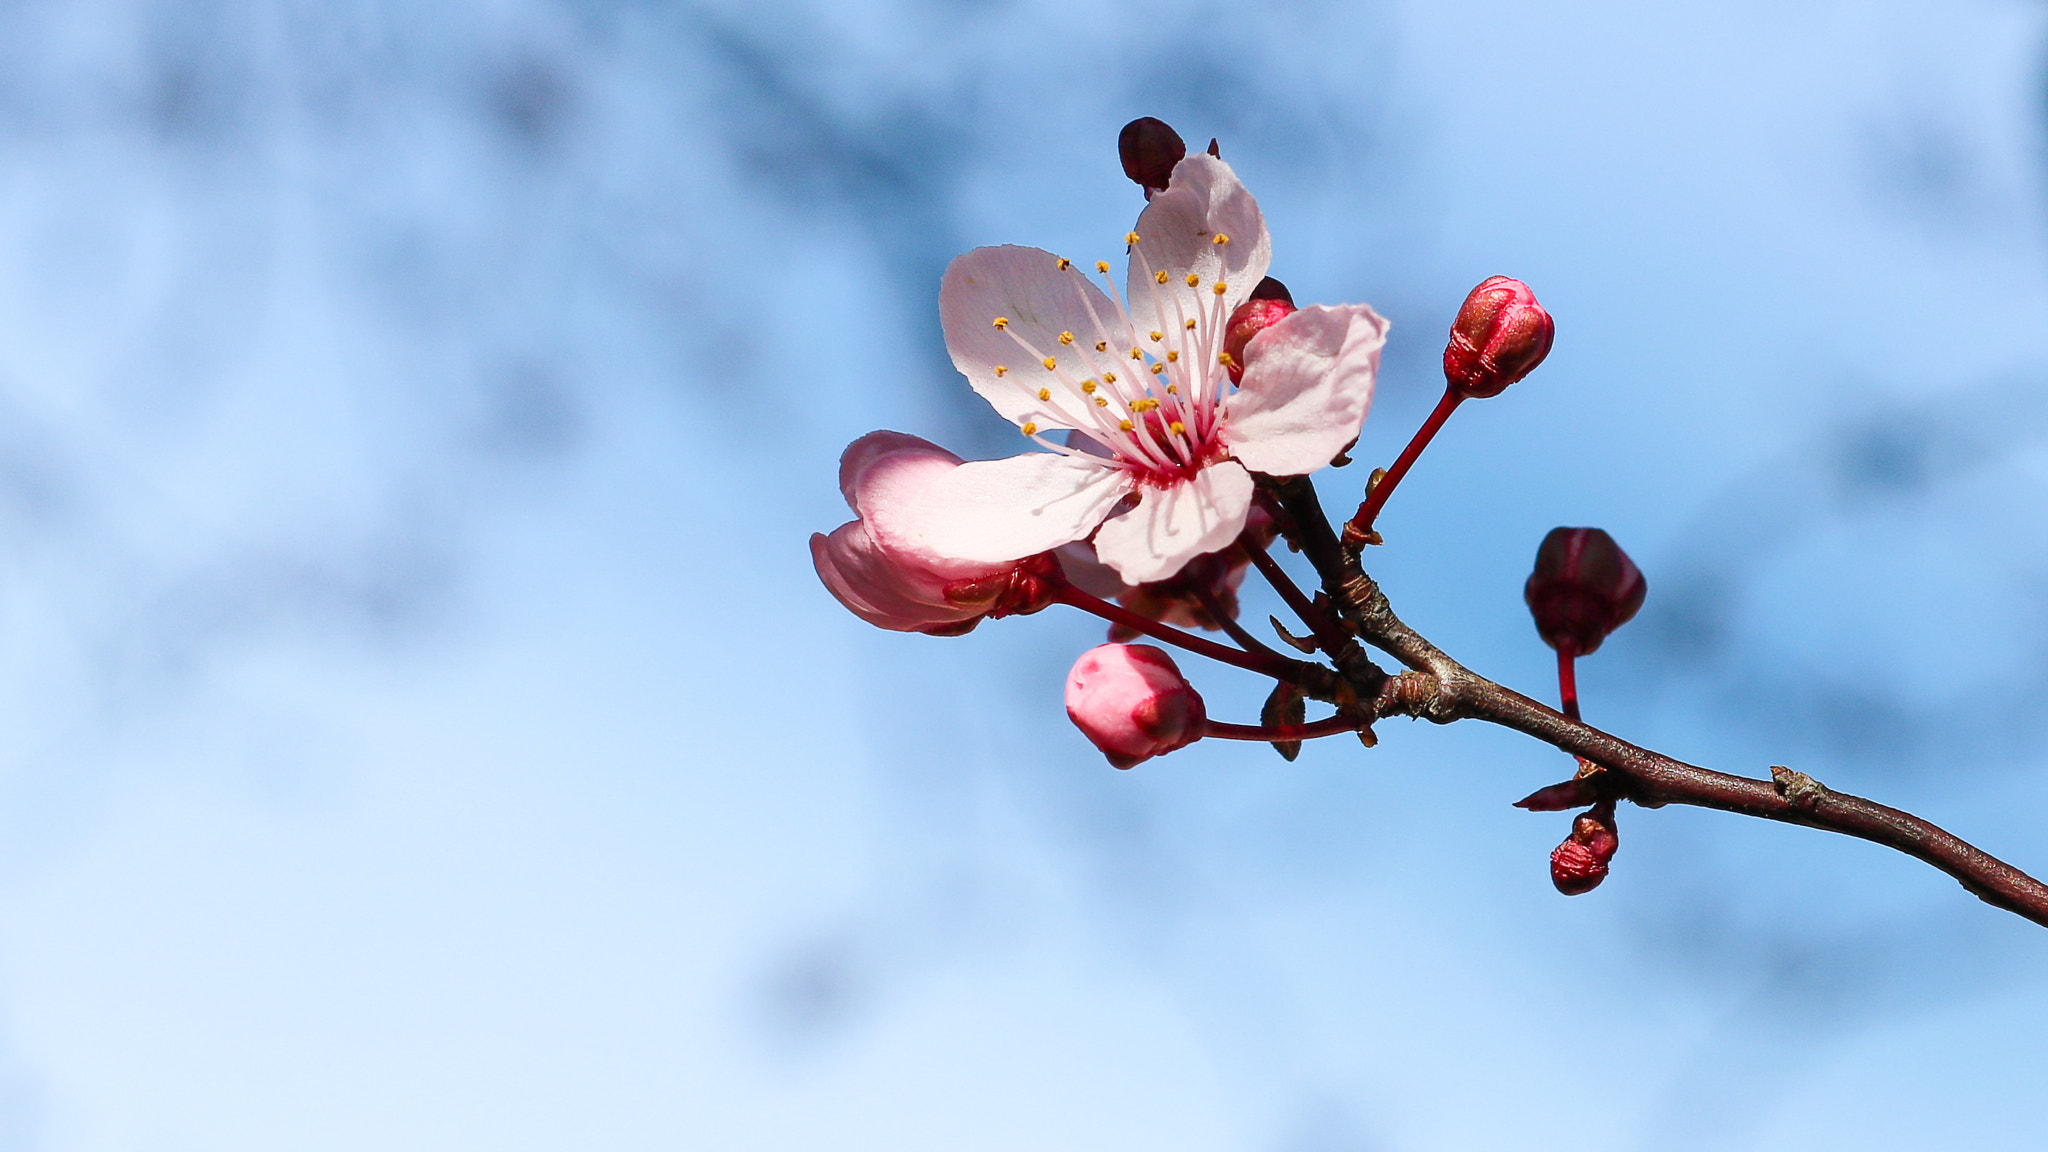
x=420, y=726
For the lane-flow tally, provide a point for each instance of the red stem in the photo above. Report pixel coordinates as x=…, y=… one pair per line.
x=1266, y=663
x=1376, y=499
x=1568, y=681
x=1333, y=726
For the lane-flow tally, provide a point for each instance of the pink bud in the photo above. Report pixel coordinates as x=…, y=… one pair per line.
x=1149, y=149
x=1132, y=703
x=1578, y=865
x=887, y=578
x=1501, y=335
x=1583, y=588
x=1269, y=304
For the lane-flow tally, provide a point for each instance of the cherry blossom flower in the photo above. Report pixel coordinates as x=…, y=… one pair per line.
x=1132, y=703
x=886, y=577
x=1145, y=376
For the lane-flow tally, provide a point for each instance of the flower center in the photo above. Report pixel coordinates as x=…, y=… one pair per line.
x=1153, y=397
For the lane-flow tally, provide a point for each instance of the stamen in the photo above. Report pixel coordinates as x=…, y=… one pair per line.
x=1137, y=355
x=1109, y=377
x=1224, y=359
x=1102, y=401
x=1102, y=345
x=1177, y=428
x=1158, y=336
x=1002, y=371
x=1051, y=363
x=1173, y=389
x=1193, y=279
x=1158, y=369
x=1129, y=238
x=1123, y=425
x=1045, y=393
x=1088, y=386
x=1222, y=239
x=1190, y=325
x=1160, y=276
x=1030, y=429
x=1102, y=266
x=1219, y=289
x=1002, y=322
x=1171, y=356
x=1065, y=263
x=1066, y=337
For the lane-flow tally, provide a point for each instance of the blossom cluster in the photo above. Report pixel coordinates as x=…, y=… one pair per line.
x=1162, y=414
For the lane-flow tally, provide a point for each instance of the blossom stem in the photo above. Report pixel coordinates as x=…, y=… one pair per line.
x=1266, y=663
x=1219, y=612
x=1327, y=635
x=1335, y=725
x=1360, y=527
x=1568, y=680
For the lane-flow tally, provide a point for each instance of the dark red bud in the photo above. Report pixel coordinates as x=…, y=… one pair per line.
x=1149, y=149
x=1501, y=335
x=1578, y=865
x=1270, y=303
x=1583, y=588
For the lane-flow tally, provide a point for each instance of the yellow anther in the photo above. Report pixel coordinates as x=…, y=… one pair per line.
x=1172, y=390
x=1088, y=386
x=1145, y=405
x=1176, y=427
x=1222, y=239
x=1159, y=369
x=1125, y=425
x=1101, y=402
x=1102, y=345
x=1158, y=336
x=1137, y=355
x=1001, y=371
x=1224, y=359
x=1190, y=325
x=1002, y=322
x=1172, y=356
x=1066, y=337
x=1220, y=288
x=1030, y=429
x=1102, y=266
x=1051, y=363
x=1109, y=377
x=1130, y=237
x=1065, y=263
x=1160, y=276
x=1193, y=279
x=1045, y=393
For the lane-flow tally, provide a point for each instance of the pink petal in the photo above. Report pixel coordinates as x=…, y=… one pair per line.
x=1176, y=523
x=893, y=450
x=1177, y=235
x=1039, y=301
x=879, y=588
x=995, y=511
x=1308, y=382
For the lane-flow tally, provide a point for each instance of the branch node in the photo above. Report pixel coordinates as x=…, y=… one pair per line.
x=1799, y=790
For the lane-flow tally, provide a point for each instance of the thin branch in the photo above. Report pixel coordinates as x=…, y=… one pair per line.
x=1267, y=663
x=1335, y=725
x=1219, y=612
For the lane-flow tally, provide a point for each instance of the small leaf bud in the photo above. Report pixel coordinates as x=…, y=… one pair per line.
x=1269, y=304
x=1133, y=703
x=1583, y=588
x=1149, y=149
x=1501, y=335
x=1578, y=865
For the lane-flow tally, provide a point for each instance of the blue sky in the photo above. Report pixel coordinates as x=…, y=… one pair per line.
x=423, y=729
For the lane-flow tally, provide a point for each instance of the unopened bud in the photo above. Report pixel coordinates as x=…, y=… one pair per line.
x=1578, y=865
x=1269, y=304
x=1501, y=335
x=1583, y=588
x=1149, y=150
x=1133, y=703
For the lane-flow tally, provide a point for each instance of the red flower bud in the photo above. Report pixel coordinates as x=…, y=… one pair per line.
x=1583, y=588
x=1500, y=336
x=1269, y=304
x=1578, y=865
x=1149, y=150
x=1133, y=703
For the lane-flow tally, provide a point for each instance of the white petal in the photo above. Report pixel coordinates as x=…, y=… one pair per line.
x=1026, y=288
x=1177, y=235
x=1174, y=524
x=1307, y=385
x=994, y=511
